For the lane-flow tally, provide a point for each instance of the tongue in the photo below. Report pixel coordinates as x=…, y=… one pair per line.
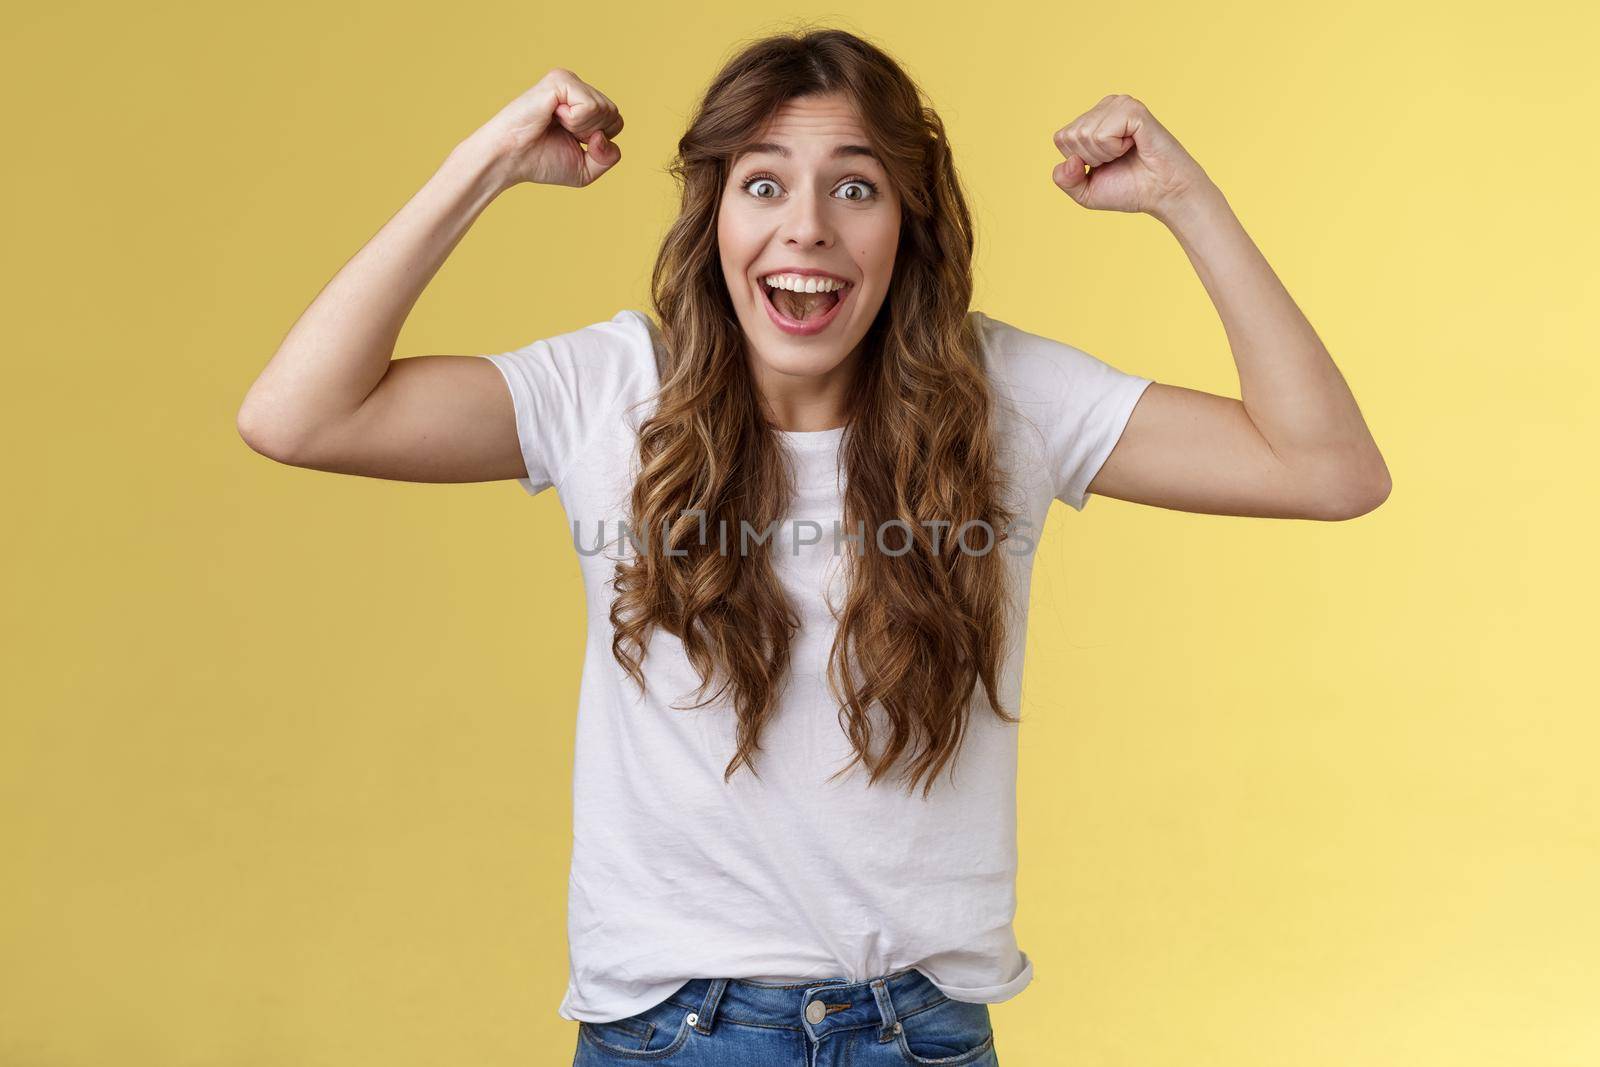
x=803, y=306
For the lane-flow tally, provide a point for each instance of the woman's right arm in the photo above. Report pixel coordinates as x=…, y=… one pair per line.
x=332, y=398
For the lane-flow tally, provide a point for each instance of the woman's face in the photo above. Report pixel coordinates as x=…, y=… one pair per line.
x=810, y=198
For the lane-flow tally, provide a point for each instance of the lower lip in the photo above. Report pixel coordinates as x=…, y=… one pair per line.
x=794, y=326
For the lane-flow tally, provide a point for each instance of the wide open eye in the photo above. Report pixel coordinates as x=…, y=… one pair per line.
x=755, y=181
x=869, y=189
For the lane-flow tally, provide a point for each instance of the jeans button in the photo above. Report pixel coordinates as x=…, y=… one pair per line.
x=815, y=1012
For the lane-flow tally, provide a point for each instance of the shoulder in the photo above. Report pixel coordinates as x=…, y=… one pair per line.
x=613, y=357
x=1035, y=369
x=1027, y=363
x=625, y=342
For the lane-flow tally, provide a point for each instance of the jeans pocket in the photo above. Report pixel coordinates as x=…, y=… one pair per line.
x=950, y=1033
x=656, y=1032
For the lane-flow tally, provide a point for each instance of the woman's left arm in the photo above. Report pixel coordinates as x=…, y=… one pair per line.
x=1296, y=445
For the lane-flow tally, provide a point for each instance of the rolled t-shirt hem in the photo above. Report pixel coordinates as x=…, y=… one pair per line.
x=1118, y=410
x=988, y=994
x=533, y=482
x=648, y=998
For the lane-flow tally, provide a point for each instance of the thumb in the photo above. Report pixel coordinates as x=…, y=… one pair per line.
x=603, y=154
x=1070, y=176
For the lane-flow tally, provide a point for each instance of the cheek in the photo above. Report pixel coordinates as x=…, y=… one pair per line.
x=879, y=246
x=736, y=247
x=733, y=226
x=731, y=256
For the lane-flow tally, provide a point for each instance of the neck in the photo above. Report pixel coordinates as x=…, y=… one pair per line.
x=805, y=403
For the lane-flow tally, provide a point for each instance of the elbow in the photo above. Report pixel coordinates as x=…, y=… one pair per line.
x=1354, y=492
x=265, y=435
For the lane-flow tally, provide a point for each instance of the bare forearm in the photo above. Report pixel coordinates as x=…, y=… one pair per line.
x=1289, y=384
x=340, y=347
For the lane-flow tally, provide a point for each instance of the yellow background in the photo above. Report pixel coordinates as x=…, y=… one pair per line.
x=285, y=767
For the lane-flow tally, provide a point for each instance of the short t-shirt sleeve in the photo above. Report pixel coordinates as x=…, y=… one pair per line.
x=1080, y=403
x=569, y=387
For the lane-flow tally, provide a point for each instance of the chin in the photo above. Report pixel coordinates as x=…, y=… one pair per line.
x=803, y=356
x=805, y=364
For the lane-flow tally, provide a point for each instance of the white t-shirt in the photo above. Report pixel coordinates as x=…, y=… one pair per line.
x=677, y=874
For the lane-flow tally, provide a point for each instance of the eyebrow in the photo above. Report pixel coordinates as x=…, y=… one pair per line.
x=772, y=148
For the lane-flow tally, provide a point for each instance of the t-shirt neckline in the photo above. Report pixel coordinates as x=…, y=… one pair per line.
x=812, y=440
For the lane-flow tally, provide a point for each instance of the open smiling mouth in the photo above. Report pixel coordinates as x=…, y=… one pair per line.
x=795, y=311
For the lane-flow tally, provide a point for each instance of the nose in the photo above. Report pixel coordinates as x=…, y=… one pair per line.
x=806, y=224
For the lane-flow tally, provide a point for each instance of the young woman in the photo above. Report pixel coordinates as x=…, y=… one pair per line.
x=806, y=495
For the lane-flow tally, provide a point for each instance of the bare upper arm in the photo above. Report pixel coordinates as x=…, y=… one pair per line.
x=429, y=419
x=1196, y=451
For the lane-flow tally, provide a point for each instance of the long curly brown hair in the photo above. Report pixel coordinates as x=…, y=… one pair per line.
x=919, y=631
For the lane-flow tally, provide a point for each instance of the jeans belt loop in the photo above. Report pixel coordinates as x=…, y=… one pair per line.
x=880, y=992
x=708, y=1007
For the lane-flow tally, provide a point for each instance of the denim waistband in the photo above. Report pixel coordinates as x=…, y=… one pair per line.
x=846, y=1005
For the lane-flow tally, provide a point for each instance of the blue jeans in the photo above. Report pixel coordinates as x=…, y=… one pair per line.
x=897, y=1019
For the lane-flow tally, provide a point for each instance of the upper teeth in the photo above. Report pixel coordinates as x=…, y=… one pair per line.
x=804, y=283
